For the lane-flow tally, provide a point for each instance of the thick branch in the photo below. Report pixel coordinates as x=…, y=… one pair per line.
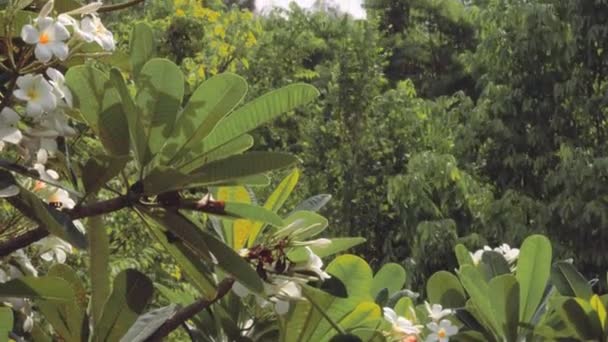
x=39, y=233
x=116, y=7
x=190, y=311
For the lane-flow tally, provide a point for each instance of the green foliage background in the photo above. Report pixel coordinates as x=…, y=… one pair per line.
x=440, y=121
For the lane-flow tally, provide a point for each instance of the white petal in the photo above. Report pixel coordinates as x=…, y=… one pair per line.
x=9, y=116
x=34, y=109
x=282, y=307
x=11, y=135
x=47, y=256
x=43, y=53
x=60, y=50
x=87, y=25
x=44, y=23
x=107, y=42
x=55, y=75
x=60, y=32
x=21, y=94
x=26, y=81
x=61, y=256
x=390, y=315
x=29, y=34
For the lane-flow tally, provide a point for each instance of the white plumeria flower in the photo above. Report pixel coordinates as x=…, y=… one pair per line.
x=8, y=127
x=510, y=254
x=24, y=263
x=401, y=327
x=59, y=87
x=441, y=332
x=92, y=26
x=280, y=291
x=54, y=248
x=45, y=174
x=38, y=93
x=313, y=264
x=436, y=311
x=49, y=38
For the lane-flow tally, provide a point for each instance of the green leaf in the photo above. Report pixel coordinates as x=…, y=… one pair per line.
x=137, y=134
x=56, y=222
x=141, y=47
x=444, y=288
x=356, y=275
x=253, y=213
x=276, y=201
x=569, y=282
x=240, y=166
x=236, y=146
x=505, y=302
x=99, y=170
x=160, y=91
x=533, y=268
x=131, y=293
x=148, y=323
x=337, y=245
x=227, y=259
x=479, y=291
x=100, y=106
x=191, y=265
x=47, y=288
x=212, y=101
x=580, y=316
x=20, y=19
x=405, y=308
x=463, y=255
x=314, y=203
x=67, y=318
x=391, y=276
x=259, y=111
x=493, y=264
x=6, y=323
x=302, y=225
x=99, y=266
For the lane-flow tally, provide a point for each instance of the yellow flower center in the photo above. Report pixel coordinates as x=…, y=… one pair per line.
x=44, y=38
x=441, y=333
x=32, y=94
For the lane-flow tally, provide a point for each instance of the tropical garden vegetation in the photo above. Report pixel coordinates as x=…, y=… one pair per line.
x=193, y=170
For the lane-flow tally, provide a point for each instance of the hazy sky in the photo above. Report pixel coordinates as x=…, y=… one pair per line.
x=351, y=6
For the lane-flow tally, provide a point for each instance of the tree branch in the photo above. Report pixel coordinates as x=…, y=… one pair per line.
x=116, y=7
x=190, y=311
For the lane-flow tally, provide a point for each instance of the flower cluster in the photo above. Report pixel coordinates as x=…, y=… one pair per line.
x=510, y=254
x=283, y=279
x=42, y=93
x=438, y=329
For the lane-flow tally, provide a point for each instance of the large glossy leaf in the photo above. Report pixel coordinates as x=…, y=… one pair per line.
x=193, y=236
x=192, y=266
x=137, y=135
x=141, y=47
x=148, y=323
x=99, y=170
x=302, y=225
x=391, y=276
x=46, y=288
x=444, y=288
x=314, y=203
x=479, y=291
x=307, y=321
x=504, y=291
x=100, y=105
x=462, y=255
x=276, y=201
x=99, y=266
x=6, y=323
x=257, y=112
x=131, y=293
x=337, y=245
x=533, y=268
x=212, y=101
x=580, y=316
x=67, y=318
x=236, y=146
x=235, y=232
x=240, y=166
x=56, y=222
x=569, y=282
x=252, y=213
x=160, y=91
